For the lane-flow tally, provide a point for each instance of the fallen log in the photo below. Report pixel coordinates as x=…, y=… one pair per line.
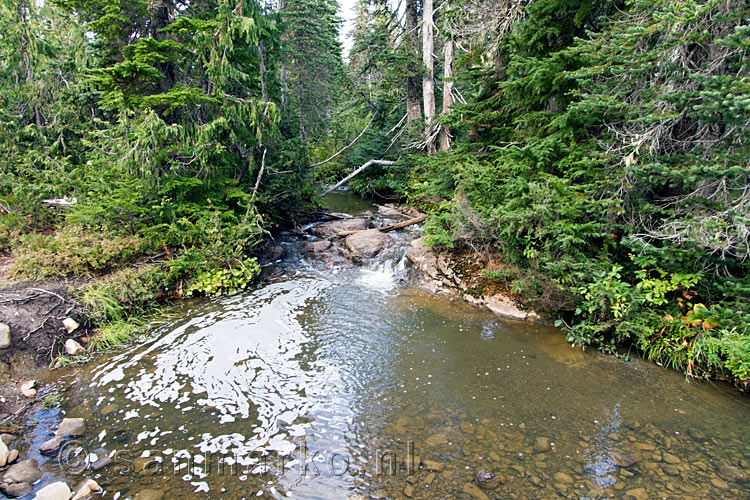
x=392, y=227
x=356, y=172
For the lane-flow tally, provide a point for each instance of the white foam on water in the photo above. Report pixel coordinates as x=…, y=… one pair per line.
x=383, y=276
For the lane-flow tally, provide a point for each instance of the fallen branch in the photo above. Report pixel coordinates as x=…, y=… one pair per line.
x=356, y=172
x=392, y=227
x=344, y=148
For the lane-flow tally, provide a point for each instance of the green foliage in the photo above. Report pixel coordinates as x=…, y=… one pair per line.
x=221, y=281
x=51, y=400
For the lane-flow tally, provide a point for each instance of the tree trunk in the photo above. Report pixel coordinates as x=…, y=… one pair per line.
x=413, y=108
x=263, y=91
x=284, y=87
x=428, y=77
x=445, y=133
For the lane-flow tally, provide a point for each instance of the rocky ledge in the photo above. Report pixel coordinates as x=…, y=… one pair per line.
x=460, y=275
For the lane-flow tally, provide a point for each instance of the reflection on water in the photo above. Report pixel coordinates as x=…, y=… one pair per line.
x=347, y=383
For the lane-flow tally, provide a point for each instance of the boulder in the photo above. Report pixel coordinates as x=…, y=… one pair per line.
x=54, y=491
x=367, y=243
x=318, y=246
x=71, y=427
x=335, y=228
x=4, y=336
x=73, y=348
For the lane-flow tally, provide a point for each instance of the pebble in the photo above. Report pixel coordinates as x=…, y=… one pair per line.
x=70, y=325
x=562, y=477
x=7, y=438
x=433, y=465
x=50, y=446
x=12, y=456
x=670, y=459
x=637, y=494
x=73, y=348
x=27, y=388
x=474, y=491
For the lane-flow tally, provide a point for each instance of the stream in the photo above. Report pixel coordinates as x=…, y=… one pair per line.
x=351, y=382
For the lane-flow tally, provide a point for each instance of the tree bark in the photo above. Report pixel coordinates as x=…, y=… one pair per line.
x=413, y=108
x=445, y=132
x=428, y=77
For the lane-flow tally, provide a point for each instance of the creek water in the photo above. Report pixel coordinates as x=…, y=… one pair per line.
x=338, y=382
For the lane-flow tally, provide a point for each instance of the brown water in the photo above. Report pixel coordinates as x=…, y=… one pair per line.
x=324, y=382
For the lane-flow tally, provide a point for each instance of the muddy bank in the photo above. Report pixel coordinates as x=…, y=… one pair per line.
x=36, y=320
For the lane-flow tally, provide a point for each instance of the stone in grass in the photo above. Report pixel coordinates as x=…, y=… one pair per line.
x=71, y=427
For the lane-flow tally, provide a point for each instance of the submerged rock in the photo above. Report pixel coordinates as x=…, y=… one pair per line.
x=367, y=243
x=71, y=427
x=730, y=473
x=542, y=444
x=474, y=491
x=488, y=480
x=149, y=494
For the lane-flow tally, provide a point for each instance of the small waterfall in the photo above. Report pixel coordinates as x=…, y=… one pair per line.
x=384, y=275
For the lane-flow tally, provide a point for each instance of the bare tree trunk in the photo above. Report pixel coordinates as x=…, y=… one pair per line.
x=413, y=108
x=23, y=11
x=284, y=87
x=264, y=91
x=445, y=133
x=428, y=77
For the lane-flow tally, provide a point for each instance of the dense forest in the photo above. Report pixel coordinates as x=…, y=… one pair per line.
x=599, y=147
